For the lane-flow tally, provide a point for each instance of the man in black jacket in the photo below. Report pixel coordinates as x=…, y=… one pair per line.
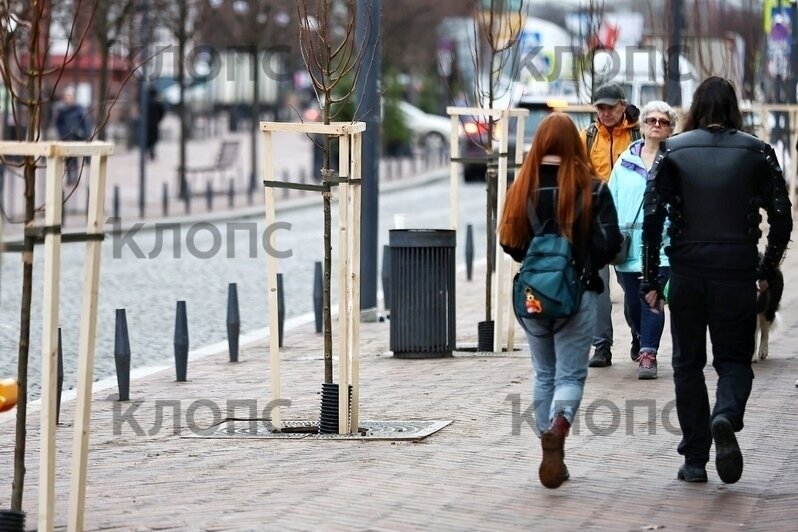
x=712, y=180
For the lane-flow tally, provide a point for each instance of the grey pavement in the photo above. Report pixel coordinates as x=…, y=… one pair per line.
x=479, y=473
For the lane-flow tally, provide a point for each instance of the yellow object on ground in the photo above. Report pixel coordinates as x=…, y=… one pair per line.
x=8, y=394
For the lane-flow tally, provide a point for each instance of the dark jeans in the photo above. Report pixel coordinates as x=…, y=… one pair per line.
x=728, y=309
x=646, y=324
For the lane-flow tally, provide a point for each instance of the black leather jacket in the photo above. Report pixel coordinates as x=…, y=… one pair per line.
x=712, y=184
x=591, y=252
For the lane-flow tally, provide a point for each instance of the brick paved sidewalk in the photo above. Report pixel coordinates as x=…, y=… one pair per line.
x=479, y=473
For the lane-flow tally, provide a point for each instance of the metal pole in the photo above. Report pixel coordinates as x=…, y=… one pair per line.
x=674, y=49
x=143, y=104
x=367, y=29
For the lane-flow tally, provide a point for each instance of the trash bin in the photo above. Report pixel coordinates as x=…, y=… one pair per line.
x=422, y=292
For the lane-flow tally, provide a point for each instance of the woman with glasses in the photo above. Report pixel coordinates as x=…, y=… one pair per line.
x=627, y=185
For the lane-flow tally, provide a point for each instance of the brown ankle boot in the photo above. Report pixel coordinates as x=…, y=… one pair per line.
x=552, y=470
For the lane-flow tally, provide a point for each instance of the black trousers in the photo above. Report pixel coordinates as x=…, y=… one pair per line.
x=728, y=309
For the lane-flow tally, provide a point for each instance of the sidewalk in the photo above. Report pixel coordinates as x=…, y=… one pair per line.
x=478, y=473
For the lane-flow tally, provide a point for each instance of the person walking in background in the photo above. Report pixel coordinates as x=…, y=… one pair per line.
x=711, y=181
x=609, y=136
x=627, y=185
x=556, y=184
x=155, y=113
x=72, y=124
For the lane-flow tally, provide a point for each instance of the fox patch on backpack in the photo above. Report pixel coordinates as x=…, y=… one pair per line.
x=547, y=286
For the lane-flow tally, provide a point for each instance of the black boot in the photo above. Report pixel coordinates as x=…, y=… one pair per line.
x=602, y=357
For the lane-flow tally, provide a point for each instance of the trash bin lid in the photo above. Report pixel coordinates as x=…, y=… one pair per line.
x=422, y=238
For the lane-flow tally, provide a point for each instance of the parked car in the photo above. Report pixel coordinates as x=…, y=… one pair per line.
x=474, y=139
x=428, y=131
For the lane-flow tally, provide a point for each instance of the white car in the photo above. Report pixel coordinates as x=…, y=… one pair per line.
x=428, y=131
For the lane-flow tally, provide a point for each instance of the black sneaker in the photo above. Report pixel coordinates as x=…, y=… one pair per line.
x=602, y=357
x=634, y=352
x=692, y=473
x=728, y=458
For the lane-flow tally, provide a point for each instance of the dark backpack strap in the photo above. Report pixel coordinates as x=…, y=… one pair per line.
x=591, y=137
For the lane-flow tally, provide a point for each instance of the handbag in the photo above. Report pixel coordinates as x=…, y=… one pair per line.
x=623, y=254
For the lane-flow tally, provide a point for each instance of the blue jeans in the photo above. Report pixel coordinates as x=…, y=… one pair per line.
x=560, y=362
x=646, y=324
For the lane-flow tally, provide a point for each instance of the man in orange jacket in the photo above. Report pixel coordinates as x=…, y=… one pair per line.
x=605, y=139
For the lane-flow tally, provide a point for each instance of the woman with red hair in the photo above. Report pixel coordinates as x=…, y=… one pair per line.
x=556, y=191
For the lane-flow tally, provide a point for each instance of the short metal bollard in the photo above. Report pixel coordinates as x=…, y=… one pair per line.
x=422, y=292
x=60, y=381
x=181, y=342
x=233, y=321
x=122, y=355
x=469, y=251
x=280, y=309
x=386, y=277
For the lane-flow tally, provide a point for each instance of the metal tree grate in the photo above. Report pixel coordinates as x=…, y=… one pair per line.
x=404, y=430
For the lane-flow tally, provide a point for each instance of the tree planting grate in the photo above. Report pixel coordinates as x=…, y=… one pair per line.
x=404, y=430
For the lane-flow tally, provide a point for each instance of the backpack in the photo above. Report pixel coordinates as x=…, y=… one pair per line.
x=592, y=130
x=547, y=287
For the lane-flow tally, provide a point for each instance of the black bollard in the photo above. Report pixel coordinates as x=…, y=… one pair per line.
x=187, y=199
x=116, y=201
x=165, y=200
x=122, y=355
x=469, y=251
x=231, y=193
x=386, y=277
x=209, y=196
x=60, y=381
x=233, y=321
x=250, y=194
x=280, y=309
x=318, y=295
x=181, y=342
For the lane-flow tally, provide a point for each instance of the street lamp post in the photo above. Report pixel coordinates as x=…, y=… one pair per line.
x=143, y=105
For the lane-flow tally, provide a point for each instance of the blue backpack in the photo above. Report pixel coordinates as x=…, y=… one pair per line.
x=547, y=287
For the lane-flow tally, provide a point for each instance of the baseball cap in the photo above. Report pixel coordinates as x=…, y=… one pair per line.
x=609, y=94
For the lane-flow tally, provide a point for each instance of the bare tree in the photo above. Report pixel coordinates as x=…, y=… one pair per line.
x=333, y=61
x=25, y=42
x=497, y=28
x=585, y=45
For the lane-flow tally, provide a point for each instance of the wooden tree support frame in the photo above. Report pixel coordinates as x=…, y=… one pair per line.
x=54, y=153
x=349, y=136
x=502, y=278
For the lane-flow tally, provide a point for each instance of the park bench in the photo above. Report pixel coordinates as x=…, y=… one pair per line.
x=225, y=166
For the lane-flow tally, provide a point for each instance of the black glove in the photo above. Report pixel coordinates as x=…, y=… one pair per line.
x=646, y=287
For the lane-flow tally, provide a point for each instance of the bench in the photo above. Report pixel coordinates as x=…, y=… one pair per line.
x=225, y=166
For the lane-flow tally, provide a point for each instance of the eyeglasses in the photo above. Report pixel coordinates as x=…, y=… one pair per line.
x=658, y=121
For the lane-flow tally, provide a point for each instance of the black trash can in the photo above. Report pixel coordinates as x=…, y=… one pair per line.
x=422, y=292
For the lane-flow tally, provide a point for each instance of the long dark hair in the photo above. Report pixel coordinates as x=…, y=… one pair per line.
x=714, y=102
x=556, y=135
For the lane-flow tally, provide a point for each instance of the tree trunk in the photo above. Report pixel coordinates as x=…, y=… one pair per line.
x=18, y=485
x=103, y=92
x=327, y=312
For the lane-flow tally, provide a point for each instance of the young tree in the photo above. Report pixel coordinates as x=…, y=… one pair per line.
x=26, y=72
x=497, y=28
x=333, y=61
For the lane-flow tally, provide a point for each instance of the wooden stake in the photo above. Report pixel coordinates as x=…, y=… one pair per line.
x=345, y=286
x=454, y=171
x=271, y=280
x=354, y=324
x=88, y=333
x=52, y=266
x=501, y=191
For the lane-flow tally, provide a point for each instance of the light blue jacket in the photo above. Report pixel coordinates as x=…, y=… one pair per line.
x=627, y=185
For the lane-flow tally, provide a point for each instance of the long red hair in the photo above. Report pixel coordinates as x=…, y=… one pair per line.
x=556, y=135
